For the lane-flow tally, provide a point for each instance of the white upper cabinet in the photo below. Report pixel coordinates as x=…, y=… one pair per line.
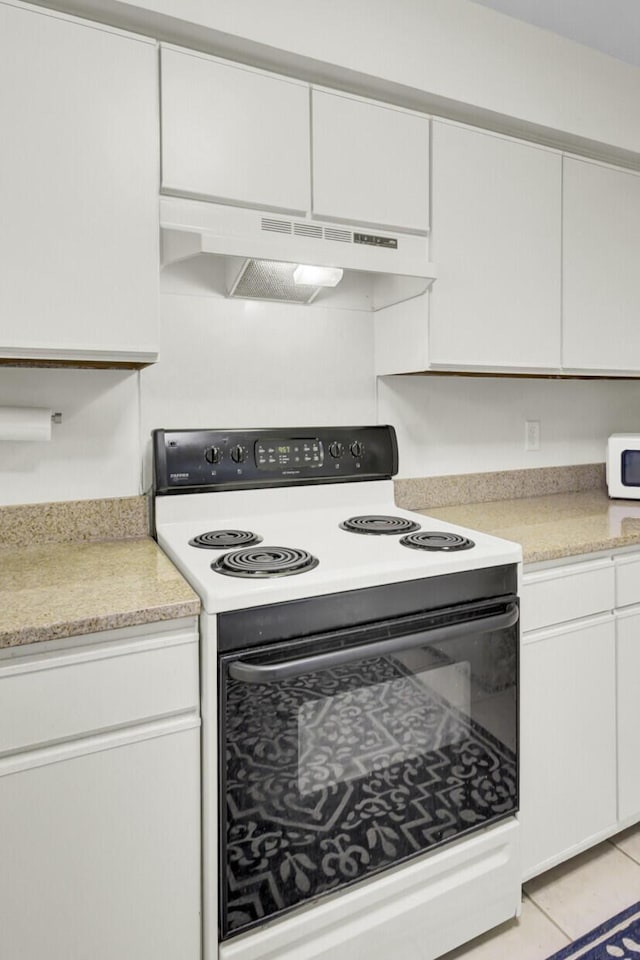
x=237, y=135
x=496, y=238
x=601, y=252
x=233, y=134
x=78, y=191
x=370, y=163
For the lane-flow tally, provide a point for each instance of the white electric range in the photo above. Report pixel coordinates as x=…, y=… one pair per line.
x=359, y=698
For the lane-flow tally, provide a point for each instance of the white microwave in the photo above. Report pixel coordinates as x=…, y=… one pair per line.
x=623, y=466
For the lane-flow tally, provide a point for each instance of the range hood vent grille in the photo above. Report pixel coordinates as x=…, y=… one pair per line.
x=332, y=233
x=270, y=225
x=307, y=230
x=276, y=226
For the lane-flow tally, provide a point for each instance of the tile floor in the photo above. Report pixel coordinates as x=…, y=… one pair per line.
x=565, y=903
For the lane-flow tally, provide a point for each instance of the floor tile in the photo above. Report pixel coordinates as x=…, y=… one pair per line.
x=581, y=893
x=629, y=842
x=531, y=937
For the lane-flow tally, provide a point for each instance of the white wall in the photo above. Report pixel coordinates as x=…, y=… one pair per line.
x=94, y=452
x=449, y=425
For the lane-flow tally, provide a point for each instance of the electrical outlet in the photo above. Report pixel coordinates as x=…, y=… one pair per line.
x=532, y=434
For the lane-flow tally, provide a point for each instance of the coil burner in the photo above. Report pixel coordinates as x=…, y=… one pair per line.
x=265, y=562
x=437, y=540
x=379, y=524
x=223, y=539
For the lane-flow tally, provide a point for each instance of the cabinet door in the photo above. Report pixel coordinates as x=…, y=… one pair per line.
x=601, y=249
x=628, y=640
x=370, y=163
x=78, y=190
x=233, y=134
x=496, y=211
x=567, y=740
x=102, y=858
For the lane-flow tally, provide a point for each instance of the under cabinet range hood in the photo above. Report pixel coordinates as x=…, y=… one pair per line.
x=257, y=255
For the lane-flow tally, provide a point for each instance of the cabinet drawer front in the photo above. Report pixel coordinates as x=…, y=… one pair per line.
x=627, y=581
x=566, y=593
x=51, y=697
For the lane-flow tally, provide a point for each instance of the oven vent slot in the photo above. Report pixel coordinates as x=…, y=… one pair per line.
x=276, y=226
x=307, y=230
x=332, y=233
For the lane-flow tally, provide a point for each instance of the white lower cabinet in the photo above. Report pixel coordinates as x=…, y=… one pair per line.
x=628, y=665
x=568, y=740
x=99, y=846
x=580, y=706
x=100, y=827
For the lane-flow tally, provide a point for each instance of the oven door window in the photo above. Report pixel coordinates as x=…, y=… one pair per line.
x=337, y=773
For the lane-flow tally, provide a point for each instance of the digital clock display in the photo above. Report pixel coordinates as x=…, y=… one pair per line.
x=287, y=453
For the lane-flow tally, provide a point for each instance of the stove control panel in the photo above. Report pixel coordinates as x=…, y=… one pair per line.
x=189, y=460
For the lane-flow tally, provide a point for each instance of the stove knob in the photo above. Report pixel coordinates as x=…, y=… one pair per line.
x=213, y=454
x=238, y=453
x=336, y=450
x=357, y=449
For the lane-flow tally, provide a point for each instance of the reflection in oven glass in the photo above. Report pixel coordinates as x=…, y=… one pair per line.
x=335, y=775
x=349, y=735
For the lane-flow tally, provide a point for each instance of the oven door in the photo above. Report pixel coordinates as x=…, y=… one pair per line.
x=347, y=753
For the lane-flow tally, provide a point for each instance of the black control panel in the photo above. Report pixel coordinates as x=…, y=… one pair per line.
x=188, y=461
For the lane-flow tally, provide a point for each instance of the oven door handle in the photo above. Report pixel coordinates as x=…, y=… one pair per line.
x=271, y=673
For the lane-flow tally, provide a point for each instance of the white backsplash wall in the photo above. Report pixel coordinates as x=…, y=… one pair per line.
x=233, y=363
x=450, y=425
x=94, y=452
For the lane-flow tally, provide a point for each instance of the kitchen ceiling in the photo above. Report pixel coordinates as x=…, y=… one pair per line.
x=611, y=26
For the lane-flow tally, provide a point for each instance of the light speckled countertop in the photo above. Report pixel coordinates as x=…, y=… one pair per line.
x=55, y=590
x=553, y=526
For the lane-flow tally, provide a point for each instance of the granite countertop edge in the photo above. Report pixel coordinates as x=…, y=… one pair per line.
x=88, y=625
x=579, y=550
x=55, y=591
